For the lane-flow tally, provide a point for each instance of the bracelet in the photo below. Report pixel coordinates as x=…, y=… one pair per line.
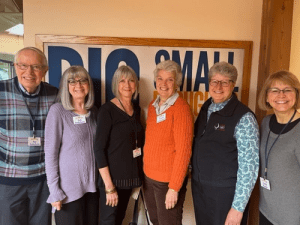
x=173, y=190
x=110, y=191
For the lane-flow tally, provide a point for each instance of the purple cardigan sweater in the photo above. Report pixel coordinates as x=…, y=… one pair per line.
x=69, y=155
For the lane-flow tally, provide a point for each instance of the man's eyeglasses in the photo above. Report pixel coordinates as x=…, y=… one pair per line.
x=276, y=91
x=224, y=83
x=81, y=82
x=33, y=67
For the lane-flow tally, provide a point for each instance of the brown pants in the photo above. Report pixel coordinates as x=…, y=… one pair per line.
x=155, y=196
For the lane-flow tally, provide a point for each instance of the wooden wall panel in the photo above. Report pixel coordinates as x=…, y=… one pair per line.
x=275, y=47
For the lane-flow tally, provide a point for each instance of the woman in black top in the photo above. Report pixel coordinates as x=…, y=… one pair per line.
x=118, y=143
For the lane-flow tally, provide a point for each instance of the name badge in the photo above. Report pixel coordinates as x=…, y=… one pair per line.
x=137, y=152
x=79, y=119
x=161, y=118
x=34, y=141
x=265, y=183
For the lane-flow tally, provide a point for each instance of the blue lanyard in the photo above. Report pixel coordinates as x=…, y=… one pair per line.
x=266, y=147
x=32, y=119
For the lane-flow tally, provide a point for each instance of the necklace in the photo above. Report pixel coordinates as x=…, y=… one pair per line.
x=123, y=106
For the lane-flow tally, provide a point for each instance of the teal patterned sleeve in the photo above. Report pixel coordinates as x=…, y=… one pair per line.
x=247, y=138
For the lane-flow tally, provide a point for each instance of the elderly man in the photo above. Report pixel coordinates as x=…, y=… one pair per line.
x=24, y=103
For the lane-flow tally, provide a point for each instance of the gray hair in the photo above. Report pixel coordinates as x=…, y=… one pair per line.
x=45, y=63
x=126, y=72
x=223, y=68
x=171, y=67
x=64, y=95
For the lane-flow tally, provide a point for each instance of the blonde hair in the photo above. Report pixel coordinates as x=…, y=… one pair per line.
x=283, y=76
x=126, y=72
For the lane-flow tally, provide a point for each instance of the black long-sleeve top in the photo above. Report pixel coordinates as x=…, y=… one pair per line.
x=115, y=141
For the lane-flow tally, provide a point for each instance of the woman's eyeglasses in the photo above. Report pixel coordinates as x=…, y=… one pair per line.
x=276, y=91
x=74, y=82
x=224, y=83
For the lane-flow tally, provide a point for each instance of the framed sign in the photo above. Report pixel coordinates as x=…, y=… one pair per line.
x=101, y=56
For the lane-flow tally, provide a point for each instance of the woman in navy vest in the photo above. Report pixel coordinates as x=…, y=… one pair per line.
x=279, y=201
x=225, y=153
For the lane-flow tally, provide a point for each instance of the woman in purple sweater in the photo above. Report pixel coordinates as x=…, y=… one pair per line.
x=69, y=157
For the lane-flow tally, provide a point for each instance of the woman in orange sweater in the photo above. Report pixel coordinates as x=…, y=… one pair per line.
x=167, y=150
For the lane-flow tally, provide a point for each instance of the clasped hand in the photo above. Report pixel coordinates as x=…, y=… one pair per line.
x=112, y=199
x=171, y=199
x=57, y=205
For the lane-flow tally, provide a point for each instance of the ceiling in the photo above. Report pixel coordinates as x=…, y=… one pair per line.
x=11, y=13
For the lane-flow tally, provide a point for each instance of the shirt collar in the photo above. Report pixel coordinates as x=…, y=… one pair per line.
x=27, y=93
x=219, y=106
x=214, y=107
x=170, y=101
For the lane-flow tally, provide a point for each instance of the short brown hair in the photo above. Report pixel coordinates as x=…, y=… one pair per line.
x=283, y=76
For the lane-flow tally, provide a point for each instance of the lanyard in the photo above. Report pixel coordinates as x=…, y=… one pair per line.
x=135, y=131
x=134, y=127
x=32, y=119
x=266, y=147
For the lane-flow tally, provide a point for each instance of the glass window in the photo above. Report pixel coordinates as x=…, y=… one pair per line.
x=6, y=69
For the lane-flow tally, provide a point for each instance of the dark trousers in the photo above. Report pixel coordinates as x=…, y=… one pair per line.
x=212, y=204
x=155, y=196
x=83, y=211
x=25, y=204
x=263, y=220
x=114, y=215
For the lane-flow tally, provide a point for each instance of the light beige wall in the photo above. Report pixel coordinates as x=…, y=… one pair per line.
x=10, y=44
x=189, y=19
x=295, y=45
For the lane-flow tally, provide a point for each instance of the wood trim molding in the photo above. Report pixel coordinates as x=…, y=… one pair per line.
x=275, y=47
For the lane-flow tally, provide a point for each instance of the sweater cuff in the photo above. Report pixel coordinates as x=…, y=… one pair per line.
x=57, y=195
x=174, y=187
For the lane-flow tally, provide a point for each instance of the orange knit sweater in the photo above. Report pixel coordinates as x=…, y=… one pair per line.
x=167, y=150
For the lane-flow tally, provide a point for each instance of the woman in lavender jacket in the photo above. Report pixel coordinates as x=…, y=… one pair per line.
x=70, y=163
